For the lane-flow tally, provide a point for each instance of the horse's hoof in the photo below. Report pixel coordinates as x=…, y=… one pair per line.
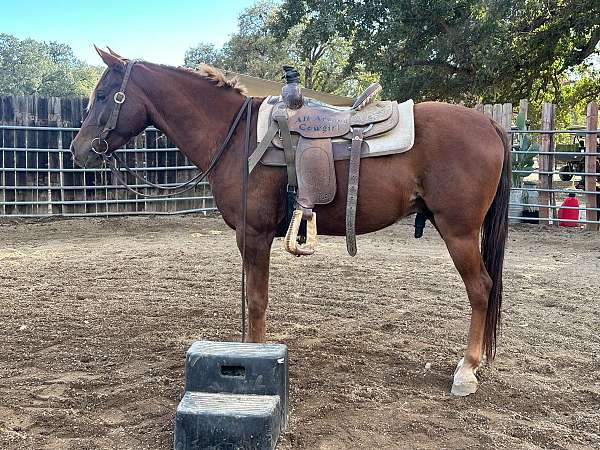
x=465, y=382
x=462, y=389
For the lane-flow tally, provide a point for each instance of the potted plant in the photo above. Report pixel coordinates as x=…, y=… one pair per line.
x=522, y=166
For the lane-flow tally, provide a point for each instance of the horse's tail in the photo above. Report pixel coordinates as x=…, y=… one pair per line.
x=493, y=242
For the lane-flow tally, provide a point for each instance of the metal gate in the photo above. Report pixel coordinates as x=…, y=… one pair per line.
x=38, y=177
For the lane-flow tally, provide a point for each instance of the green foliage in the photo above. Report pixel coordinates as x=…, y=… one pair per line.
x=203, y=52
x=257, y=49
x=523, y=162
x=460, y=50
x=252, y=50
x=43, y=68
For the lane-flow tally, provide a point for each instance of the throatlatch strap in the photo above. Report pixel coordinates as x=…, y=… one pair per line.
x=353, y=176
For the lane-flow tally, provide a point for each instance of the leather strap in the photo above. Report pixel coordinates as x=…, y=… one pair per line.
x=288, y=148
x=245, y=184
x=262, y=148
x=353, y=176
x=116, y=165
x=119, y=99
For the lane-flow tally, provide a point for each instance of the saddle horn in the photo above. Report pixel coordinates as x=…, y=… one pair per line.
x=291, y=92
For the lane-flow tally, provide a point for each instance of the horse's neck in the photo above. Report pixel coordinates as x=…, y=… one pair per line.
x=193, y=112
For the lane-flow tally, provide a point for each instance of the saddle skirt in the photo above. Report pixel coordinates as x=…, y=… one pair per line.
x=392, y=130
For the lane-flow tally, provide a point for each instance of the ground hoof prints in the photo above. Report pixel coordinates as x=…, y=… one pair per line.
x=389, y=326
x=141, y=326
x=53, y=393
x=14, y=420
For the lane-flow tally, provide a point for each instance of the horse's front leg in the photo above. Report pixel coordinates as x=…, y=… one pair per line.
x=258, y=253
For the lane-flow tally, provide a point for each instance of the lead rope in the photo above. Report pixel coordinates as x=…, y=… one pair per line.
x=245, y=182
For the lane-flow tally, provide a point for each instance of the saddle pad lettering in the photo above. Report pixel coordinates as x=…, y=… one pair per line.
x=320, y=122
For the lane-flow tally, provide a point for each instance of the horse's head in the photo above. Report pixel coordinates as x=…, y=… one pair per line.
x=116, y=113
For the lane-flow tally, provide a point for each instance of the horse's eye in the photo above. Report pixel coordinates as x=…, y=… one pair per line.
x=100, y=96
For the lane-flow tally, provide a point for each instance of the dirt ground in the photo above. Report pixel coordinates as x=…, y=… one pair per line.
x=96, y=316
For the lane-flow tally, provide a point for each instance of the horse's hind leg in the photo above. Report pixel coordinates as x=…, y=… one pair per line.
x=464, y=250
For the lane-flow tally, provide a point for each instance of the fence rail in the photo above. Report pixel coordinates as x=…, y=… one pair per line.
x=541, y=179
x=38, y=177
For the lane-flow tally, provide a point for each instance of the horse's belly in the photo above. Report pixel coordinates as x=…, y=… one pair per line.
x=385, y=194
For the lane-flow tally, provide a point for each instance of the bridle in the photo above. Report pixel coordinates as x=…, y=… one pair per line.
x=111, y=124
x=116, y=164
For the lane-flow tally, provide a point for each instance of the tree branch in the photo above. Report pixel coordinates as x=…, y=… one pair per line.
x=447, y=65
x=589, y=48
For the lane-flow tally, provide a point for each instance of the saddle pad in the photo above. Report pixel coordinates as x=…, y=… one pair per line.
x=399, y=140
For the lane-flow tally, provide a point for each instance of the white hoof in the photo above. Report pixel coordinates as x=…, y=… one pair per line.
x=465, y=382
x=462, y=389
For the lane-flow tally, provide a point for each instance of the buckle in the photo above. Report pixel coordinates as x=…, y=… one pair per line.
x=119, y=97
x=360, y=130
x=291, y=189
x=99, y=152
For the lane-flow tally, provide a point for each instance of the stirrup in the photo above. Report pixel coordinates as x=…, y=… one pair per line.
x=291, y=243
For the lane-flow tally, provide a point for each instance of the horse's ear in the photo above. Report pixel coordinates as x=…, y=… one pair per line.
x=112, y=61
x=112, y=52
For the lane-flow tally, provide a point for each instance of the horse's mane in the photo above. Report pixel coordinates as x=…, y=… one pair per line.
x=202, y=70
x=210, y=72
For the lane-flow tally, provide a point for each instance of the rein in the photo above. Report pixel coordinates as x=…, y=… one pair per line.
x=115, y=164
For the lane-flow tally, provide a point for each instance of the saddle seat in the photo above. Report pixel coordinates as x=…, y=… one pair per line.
x=320, y=121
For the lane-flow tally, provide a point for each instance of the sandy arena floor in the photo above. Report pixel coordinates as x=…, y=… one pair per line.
x=96, y=315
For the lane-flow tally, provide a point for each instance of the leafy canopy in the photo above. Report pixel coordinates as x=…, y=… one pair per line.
x=43, y=68
x=459, y=50
x=256, y=49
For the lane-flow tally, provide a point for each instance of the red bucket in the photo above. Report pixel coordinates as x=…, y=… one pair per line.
x=568, y=213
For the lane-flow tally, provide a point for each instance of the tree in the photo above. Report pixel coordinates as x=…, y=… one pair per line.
x=257, y=49
x=458, y=50
x=252, y=50
x=44, y=68
x=203, y=53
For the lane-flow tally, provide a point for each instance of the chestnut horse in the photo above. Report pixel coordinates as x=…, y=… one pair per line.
x=457, y=173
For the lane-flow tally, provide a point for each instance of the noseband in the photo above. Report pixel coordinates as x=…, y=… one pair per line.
x=111, y=124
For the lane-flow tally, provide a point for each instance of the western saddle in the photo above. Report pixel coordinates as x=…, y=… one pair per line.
x=311, y=134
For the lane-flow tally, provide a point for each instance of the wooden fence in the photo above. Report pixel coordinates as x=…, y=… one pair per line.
x=38, y=177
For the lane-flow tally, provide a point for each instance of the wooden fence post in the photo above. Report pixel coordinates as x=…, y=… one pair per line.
x=55, y=158
x=488, y=110
x=524, y=108
x=497, y=112
x=546, y=162
x=506, y=120
x=591, y=146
